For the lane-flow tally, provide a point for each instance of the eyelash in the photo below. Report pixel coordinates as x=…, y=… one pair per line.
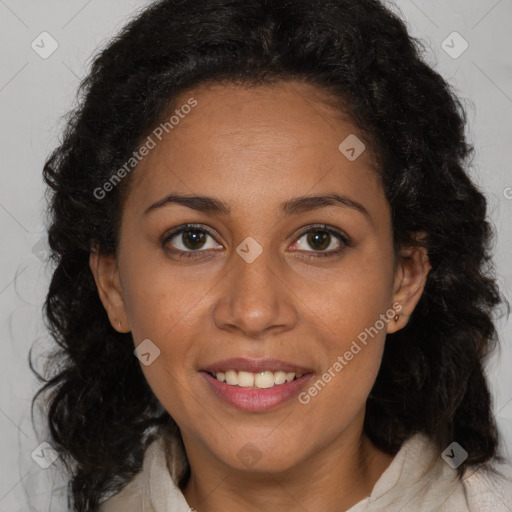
x=343, y=238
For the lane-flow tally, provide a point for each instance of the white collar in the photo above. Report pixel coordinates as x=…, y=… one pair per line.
x=417, y=480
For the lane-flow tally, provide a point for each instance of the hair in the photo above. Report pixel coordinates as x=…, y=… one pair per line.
x=101, y=412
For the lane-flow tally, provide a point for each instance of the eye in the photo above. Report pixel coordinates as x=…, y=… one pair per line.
x=320, y=237
x=189, y=239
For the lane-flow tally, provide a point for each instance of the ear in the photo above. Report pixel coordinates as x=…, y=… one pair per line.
x=106, y=275
x=411, y=273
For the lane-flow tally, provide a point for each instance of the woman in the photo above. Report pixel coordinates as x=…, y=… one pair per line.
x=273, y=283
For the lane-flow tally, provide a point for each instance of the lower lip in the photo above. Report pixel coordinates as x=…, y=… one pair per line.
x=254, y=399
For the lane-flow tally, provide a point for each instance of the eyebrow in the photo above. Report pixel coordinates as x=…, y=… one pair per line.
x=294, y=206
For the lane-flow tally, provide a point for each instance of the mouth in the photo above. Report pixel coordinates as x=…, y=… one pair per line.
x=255, y=373
x=256, y=385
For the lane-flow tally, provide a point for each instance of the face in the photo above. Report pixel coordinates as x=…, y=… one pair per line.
x=265, y=279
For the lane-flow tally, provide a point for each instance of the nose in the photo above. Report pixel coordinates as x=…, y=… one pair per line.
x=254, y=299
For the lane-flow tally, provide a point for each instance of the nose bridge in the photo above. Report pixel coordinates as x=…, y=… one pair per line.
x=255, y=279
x=254, y=299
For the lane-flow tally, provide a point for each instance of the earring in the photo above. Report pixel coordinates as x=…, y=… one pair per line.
x=396, y=318
x=119, y=324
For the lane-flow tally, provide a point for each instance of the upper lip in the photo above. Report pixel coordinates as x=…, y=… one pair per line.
x=255, y=366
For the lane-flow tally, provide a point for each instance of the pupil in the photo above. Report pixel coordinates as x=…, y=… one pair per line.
x=315, y=238
x=193, y=238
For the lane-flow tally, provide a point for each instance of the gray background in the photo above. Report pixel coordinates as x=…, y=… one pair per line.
x=34, y=95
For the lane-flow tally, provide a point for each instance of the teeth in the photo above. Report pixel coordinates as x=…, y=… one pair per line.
x=231, y=377
x=262, y=380
x=245, y=379
x=280, y=377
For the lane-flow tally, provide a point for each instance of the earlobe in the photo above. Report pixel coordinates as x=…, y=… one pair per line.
x=410, y=280
x=106, y=276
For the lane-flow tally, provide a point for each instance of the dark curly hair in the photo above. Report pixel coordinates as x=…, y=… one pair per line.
x=101, y=412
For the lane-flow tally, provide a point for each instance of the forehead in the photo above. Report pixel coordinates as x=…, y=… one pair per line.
x=255, y=144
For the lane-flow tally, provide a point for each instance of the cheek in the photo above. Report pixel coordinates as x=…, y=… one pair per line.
x=167, y=319
x=338, y=395
x=352, y=361
x=159, y=302
x=354, y=301
x=158, y=310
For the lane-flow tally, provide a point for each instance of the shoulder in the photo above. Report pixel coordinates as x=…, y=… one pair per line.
x=132, y=497
x=154, y=487
x=487, y=491
x=128, y=499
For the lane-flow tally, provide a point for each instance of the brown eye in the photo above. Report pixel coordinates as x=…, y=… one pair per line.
x=189, y=239
x=319, y=240
x=193, y=238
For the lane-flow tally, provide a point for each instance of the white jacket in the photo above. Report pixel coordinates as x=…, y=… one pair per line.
x=417, y=480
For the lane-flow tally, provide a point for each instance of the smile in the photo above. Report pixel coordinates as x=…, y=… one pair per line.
x=254, y=398
x=260, y=380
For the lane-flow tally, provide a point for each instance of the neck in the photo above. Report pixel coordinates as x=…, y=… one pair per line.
x=332, y=479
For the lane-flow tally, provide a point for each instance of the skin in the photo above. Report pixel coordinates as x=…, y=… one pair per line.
x=254, y=148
